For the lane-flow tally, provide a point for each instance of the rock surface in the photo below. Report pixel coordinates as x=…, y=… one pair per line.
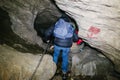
x=89, y=62
x=99, y=24
x=23, y=14
x=15, y=65
x=17, y=30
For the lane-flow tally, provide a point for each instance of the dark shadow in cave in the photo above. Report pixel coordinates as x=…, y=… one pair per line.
x=7, y=36
x=45, y=19
x=5, y=24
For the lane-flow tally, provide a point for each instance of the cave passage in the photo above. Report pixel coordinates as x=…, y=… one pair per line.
x=42, y=22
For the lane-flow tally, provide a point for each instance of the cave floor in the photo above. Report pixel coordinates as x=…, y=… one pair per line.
x=58, y=75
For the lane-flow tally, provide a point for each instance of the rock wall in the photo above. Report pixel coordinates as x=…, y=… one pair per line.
x=89, y=62
x=22, y=16
x=15, y=65
x=98, y=23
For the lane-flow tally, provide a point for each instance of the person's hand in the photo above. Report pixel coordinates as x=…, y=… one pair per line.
x=51, y=47
x=48, y=41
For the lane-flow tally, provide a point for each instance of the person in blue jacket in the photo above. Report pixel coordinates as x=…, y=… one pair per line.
x=62, y=44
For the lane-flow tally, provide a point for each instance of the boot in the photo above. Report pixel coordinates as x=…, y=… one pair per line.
x=64, y=76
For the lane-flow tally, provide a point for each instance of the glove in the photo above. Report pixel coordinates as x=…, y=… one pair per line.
x=45, y=40
x=79, y=41
x=48, y=41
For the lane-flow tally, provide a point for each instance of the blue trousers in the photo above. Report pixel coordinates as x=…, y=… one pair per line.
x=65, y=52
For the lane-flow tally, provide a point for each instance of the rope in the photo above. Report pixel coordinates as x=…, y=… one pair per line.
x=31, y=78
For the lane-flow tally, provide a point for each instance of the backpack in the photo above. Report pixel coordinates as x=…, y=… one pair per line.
x=63, y=29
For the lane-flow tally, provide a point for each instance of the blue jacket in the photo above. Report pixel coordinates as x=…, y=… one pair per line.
x=60, y=42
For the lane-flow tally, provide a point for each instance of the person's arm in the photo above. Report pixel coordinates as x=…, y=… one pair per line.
x=75, y=37
x=48, y=34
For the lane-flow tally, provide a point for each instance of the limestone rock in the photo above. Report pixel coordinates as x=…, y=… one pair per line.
x=90, y=62
x=15, y=65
